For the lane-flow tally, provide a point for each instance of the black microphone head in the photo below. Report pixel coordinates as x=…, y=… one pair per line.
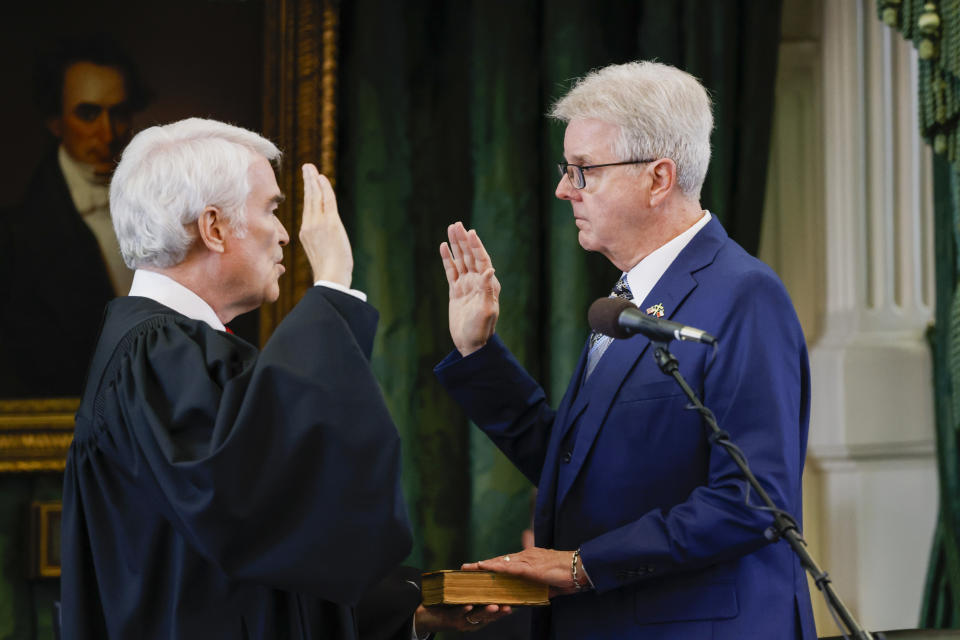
x=604, y=316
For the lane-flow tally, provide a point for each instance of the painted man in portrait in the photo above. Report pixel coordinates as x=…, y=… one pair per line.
x=59, y=259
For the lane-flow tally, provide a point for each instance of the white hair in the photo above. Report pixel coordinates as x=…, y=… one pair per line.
x=169, y=174
x=662, y=112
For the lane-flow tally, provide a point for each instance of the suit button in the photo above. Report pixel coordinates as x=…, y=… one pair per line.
x=566, y=457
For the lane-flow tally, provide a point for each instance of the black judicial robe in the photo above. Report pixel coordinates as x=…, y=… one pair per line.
x=386, y=611
x=212, y=491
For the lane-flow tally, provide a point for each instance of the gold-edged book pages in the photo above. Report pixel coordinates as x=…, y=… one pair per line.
x=482, y=587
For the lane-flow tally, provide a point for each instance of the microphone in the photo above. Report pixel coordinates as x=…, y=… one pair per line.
x=619, y=318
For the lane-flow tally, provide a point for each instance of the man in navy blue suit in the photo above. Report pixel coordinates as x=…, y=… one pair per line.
x=642, y=527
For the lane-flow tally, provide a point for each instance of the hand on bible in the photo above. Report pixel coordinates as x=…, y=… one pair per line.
x=474, y=289
x=321, y=232
x=467, y=618
x=546, y=566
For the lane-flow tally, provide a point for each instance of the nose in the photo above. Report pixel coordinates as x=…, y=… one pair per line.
x=566, y=191
x=106, y=127
x=284, y=236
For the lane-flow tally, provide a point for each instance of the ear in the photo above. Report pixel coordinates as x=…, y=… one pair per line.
x=212, y=229
x=663, y=179
x=55, y=126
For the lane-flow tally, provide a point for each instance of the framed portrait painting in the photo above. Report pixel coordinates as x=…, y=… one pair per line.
x=82, y=79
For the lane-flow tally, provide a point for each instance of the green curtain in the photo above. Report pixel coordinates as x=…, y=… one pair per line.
x=940, y=603
x=934, y=29
x=26, y=606
x=442, y=119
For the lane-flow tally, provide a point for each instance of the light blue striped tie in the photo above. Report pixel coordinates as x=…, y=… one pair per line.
x=598, y=341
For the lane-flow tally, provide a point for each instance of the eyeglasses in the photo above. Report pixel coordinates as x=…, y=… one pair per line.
x=575, y=171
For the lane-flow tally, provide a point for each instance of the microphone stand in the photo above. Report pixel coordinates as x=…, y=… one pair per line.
x=784, y=526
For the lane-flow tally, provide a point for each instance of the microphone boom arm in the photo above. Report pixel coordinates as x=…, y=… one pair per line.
x=784, y=526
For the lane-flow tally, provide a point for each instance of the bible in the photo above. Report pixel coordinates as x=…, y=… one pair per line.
x=481, y=587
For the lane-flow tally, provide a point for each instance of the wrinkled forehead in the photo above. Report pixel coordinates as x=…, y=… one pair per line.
x=87, y=82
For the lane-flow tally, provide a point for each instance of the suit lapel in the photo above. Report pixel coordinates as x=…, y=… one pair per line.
x=594, y=402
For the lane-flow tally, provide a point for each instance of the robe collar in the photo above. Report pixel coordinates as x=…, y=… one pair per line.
x=170, y=293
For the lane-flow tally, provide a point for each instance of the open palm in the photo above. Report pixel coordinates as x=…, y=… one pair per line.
x=474, y=289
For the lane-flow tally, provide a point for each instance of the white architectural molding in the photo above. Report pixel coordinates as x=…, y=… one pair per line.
x=872, y=366
x=792, y=238
x=828, y=458
x=848, y=225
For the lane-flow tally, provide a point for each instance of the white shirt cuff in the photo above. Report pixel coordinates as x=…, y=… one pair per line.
x=413, y=624
x=339, y=287
x=585, y=574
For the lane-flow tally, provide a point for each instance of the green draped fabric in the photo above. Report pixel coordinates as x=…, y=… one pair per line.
x=25, y=605
x=941, y=597
x=442, y=119
x=934, y=29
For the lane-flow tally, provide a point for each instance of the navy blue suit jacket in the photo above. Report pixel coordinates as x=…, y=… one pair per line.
x=625, y=472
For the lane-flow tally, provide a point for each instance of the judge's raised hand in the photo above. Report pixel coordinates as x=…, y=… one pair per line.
x=322, y=234
x=546, y=566
x=474, y=289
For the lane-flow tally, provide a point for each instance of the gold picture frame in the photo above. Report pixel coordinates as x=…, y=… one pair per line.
x=35, y=434
x=299, y=114
x=44, y=540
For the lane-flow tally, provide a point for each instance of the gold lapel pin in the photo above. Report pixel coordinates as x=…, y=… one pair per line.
x=656, y=310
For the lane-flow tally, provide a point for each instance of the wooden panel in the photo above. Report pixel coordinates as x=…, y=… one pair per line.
x=299, y=113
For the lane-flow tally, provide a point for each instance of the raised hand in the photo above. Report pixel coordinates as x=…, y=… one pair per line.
x=321, y=231
x=474, y=289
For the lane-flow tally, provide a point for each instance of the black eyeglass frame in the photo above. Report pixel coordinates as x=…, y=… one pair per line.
x=562, y=169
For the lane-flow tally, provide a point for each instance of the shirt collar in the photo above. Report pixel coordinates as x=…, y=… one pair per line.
x=648, y=271
x=170, y=293
x=88, y=191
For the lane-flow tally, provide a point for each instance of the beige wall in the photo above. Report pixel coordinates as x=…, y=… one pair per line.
x=848, y=226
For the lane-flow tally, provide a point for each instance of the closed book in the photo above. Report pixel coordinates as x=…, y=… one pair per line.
x=482, y=587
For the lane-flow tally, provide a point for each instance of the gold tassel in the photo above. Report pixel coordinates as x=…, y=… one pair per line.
x=890, y=12
x=928, y=24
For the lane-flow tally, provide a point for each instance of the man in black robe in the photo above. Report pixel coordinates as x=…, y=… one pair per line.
x=214, y=491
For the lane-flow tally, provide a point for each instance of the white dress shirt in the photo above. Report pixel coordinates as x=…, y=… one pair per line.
x=644, y=276
x=90, y=194
x=172, y=294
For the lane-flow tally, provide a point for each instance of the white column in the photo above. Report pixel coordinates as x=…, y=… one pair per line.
x=850, y=232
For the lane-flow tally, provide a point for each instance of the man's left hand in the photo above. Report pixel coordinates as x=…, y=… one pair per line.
x=466, y=618
x=547, y=566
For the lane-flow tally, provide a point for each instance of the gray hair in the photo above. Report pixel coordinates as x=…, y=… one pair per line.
x=662, y=112
x=169, y=174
